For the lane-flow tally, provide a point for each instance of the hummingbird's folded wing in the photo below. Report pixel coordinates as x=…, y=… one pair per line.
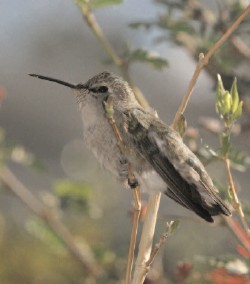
x=187, y=180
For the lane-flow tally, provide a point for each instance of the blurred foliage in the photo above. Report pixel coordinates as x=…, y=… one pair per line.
x=194, y=26
x=144, y=56
x=39, y=229
x=17, y=154
x=73, y=194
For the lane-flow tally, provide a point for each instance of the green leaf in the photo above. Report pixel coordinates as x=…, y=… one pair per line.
x=225, y=143
x=235, y=96
x=227, y=103
x=96, y=4
x=171, y=226
x=153, y=59
x=230, y=194
x=220, y=90
x=238, y=112
x=182, y=125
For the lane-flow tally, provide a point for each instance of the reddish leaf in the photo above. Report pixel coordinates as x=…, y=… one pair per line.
x=242, y=251
x=222, y=276
x=182, y=271
x=242, y=235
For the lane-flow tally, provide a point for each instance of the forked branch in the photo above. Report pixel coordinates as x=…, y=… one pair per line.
x=203, y=61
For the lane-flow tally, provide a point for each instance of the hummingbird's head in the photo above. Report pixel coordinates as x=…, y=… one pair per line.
x=104, y=85
x=97, y=89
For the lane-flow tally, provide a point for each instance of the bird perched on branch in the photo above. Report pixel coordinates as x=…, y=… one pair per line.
x=159, y=159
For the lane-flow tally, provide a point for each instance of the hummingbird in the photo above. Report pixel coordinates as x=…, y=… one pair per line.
x=159, y=158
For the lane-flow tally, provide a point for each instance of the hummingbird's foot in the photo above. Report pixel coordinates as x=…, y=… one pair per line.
x=133, y=183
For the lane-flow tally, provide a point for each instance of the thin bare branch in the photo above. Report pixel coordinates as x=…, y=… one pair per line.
x=156, y=249
x=136, y=217
x=204, y=59
x=85, y=257
x=93, y=24
x=235, y=196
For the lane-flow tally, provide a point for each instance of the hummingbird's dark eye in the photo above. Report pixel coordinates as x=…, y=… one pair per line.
x=102, y=89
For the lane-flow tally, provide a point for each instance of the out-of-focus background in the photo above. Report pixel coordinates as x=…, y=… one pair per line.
x=52, y=38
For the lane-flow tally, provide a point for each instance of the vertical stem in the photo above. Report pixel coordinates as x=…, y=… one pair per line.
x=93, y=24
x=235, y=196
x=136, y=217
x=141, y=267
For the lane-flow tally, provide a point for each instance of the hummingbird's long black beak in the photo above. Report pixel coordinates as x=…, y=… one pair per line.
x=72, y=86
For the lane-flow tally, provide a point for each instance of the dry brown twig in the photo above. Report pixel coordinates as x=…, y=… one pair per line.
x=237, y=206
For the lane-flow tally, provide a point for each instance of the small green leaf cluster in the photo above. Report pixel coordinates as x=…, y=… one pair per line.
x=228, y=105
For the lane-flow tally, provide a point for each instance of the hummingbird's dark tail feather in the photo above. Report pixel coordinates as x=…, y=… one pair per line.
x=203, y=207
x=198, y=209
